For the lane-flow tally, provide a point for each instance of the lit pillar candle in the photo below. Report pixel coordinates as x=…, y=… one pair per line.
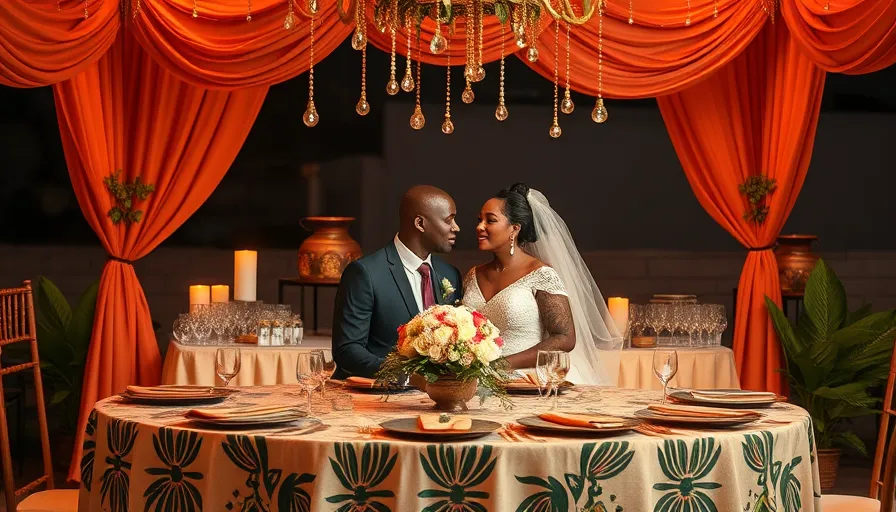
x=618, y=307
x=220, y=293
x=245, y=267
x=199, y=294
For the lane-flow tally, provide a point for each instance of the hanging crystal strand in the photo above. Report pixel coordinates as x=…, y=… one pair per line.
x=310, y=118
x=479, y=71
x=313, y=6
x=469, y=66
x=715, y=9
x=447, y=124
x=555, y=130
x=136, y=10
x=407, y=83
x=567, y=106
x=599, y=113
x=363, y=108
x=195, y=9
x=438, y=44
x=519, y=28
x=631, y=12
x=827, y=6
x=417, y=119
x=532, y=52
x=392, y=86
x=249, y=10
x=87, y=13
x=501, y=111
x=290, y=20
x=687, y=21
x=359, y=39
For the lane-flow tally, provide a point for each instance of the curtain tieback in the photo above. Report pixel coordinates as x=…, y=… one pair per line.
x=121, y=260
x=763, y=248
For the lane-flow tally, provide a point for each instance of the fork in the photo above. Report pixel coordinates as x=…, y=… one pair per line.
x=653, y=430
x=521, y=433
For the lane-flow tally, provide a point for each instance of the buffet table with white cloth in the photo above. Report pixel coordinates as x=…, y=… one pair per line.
x=259, y=365
x=700, y=368
x=139, y=457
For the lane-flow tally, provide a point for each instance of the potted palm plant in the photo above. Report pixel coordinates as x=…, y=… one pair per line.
x=834, y=360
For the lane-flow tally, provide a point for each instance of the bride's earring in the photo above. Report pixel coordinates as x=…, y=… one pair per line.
x=511, y=246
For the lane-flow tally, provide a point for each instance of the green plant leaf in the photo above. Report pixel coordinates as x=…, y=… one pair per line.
x=854, y=393
x=80, y=328
x=501, y=12
x=52, y=308
x=790, y=342
x=857, y=315
x=60, y=396
x=825, y=301
x=849, y=438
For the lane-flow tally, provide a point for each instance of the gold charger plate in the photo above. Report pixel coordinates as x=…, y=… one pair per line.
x=688, y=398
x=536, y=423
x=254, y=421
x=653, y=417
x=410, y=428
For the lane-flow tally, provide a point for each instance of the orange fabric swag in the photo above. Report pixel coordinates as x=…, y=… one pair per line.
x=853, y=37
x=756, y=115
x=125, y=112
x=220, y=49
x=655, y=55
x=42, y=43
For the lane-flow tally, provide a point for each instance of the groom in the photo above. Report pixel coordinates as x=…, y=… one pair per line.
x=384, y=290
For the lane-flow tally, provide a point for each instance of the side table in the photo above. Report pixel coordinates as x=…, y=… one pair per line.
x=283, y=282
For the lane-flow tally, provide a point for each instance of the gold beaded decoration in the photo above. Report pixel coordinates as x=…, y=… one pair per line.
x=567, y=106
x=311, y=117
x=359, y=38
x=417, y=119
x=392, y=86
x=363, y=108
x=715, y=8
x=249, y=10
x=599, y=113
x=479, y=72
x=501, y=111
x=407, y=83
x=555, y=130
x=447, y=124
x=87, y=13
x=290, y=20
x=631, y=12
x=687, y=21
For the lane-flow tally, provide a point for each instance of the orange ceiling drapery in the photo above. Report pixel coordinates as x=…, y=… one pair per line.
x=757, y=115
x=655, y=55
x=852, y=37
x=220, y=49
x=109, y=119
x=43, y=43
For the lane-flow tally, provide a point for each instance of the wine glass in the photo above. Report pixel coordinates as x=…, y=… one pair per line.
x=551, y=367
x=665, y=366
x=309, y=367
x=329, y=368
x=227, y=363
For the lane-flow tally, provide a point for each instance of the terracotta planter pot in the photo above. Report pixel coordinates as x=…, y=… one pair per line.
x=828, y=467
x=325, y=254
x=795, y=261
x=451, y=394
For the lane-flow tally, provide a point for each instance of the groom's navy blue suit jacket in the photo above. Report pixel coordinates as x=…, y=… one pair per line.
x=373, y=300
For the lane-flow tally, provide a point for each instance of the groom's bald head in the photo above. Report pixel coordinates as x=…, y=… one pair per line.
x=426, y=219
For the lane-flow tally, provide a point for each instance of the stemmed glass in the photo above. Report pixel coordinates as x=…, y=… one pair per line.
x=227, y=364
x=309, y=367
x=665, y=366
x=551, y=367
x=327, y=371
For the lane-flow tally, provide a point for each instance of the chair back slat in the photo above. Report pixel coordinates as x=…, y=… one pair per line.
x=884, y=436
x=17, y=325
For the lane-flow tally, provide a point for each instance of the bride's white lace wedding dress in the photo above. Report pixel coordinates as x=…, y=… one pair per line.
x=514, y=310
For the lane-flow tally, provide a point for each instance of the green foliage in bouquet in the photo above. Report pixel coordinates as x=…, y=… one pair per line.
x=834, y=357
x=452, y=357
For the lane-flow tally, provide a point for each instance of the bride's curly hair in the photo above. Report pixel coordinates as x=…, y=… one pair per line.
x=518, y=211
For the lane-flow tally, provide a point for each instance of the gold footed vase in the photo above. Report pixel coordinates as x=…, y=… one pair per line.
x=325, y=254
x=795, y=261
x=451, y=394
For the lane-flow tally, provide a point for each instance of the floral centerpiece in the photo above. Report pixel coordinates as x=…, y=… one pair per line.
x=456, y=349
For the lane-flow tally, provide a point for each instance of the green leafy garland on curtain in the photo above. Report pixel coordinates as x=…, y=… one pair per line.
x=757, y=188
x=125, y=194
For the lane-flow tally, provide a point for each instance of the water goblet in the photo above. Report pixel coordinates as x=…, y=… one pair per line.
x=227, y=363
x=327, y=371
x=309, y=367
x=665, y=366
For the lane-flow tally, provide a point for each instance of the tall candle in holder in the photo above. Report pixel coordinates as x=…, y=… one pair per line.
x=220, y=293
x=245, y=270
x=618, y=307
x=199, y=294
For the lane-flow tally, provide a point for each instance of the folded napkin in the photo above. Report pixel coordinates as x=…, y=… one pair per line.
x=582, y=420
x=360, y=381
x=696, y=411
x=526, y=377
x=434, y=421
x=742, y=396
x=242, y=412
x=168, y=391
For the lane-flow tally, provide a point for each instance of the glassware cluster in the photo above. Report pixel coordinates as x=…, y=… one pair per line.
x=677, y=325
x=217, y=323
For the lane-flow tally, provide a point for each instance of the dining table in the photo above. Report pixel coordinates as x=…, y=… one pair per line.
x=341, y=457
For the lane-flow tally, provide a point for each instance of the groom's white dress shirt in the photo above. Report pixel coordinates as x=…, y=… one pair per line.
x=411, y=262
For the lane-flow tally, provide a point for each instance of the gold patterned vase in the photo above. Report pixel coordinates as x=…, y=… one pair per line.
x=325, y=254
x=451, y=394
x=795, y=261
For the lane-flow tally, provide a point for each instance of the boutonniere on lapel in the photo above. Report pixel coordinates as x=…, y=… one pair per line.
x=447, y=289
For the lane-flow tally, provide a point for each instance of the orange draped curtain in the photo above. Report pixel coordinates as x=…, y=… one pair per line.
x=127, y=112
x=844, y=36
x=220, y=49
x=43, y=43
x=657, y=54
x=757, y=115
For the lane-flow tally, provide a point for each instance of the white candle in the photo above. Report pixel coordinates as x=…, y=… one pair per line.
x=199, y=294
x=618, y=307
x=220, y=293
x=245, y=267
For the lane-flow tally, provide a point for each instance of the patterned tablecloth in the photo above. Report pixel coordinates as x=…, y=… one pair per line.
x=149, y=458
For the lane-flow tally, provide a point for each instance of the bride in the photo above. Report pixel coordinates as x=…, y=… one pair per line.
x=538, y=291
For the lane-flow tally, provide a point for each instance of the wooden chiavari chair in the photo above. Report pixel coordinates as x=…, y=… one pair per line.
x=883, y=471
x=17, y=326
